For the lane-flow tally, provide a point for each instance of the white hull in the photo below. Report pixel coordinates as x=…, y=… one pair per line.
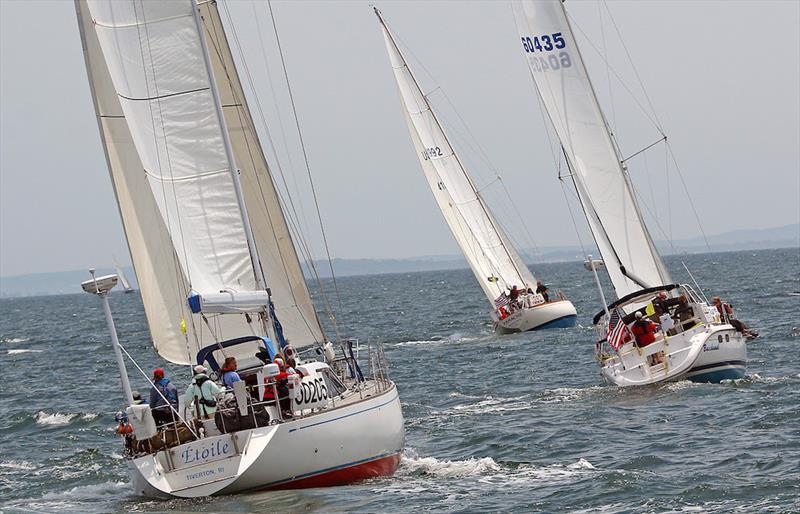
x=559, y=314
x=704, y=353
x=336, y=446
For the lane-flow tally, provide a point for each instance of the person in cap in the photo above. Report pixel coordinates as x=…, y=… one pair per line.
x=202, y=393
x=137, y=398
x=644, y=330
x=163, y=398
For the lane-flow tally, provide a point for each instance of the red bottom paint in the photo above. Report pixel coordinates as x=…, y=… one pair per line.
x=384, y=466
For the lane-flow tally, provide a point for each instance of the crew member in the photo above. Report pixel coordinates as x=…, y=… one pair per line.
x=542, y=290
x=644, y=330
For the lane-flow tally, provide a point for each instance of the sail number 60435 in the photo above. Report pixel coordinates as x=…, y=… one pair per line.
x=543, y=43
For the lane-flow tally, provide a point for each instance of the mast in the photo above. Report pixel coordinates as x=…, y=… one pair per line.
x=234, y=170
x=600, y=178
x=524, y=275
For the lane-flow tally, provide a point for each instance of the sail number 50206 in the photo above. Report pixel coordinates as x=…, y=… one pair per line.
x=543, y=43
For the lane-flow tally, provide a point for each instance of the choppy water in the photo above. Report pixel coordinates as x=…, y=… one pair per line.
x=493, y=423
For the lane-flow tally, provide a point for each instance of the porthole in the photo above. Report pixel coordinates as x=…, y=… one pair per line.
x=719, y=338
x=727, y=338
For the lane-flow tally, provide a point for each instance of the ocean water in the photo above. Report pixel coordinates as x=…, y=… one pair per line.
x=493, y=423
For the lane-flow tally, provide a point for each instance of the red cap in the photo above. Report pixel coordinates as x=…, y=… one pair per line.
x=158, y=373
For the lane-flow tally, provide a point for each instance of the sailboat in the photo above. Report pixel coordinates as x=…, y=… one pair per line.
x=506, y=281
x=218, y=271
x=123, y=280
x=692, y=339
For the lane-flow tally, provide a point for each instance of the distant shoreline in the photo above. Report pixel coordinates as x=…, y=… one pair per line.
x=68, y=282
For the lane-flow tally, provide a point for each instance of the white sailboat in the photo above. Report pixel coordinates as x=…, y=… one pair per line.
x=506, y=281
x=218, y=271
x=123, y=280
x=692, y=340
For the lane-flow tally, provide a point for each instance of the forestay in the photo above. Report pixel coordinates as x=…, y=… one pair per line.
x=603, y=185
x=493, y=260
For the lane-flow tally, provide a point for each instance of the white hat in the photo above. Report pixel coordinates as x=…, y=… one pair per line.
x=199, y=369
x=638, y=316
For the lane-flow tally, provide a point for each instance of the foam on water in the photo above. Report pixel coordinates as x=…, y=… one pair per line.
x=487, y=469
x=55, y=419
x=22, y=350
x=12, y=340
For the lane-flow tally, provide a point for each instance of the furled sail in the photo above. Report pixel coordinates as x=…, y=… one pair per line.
x=603, y=186
x=275, y=247
x=493, y=260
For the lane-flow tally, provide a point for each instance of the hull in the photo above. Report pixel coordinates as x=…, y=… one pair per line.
x=334, y=447
x=706, y=353
x=559, y=314
x=724, y=357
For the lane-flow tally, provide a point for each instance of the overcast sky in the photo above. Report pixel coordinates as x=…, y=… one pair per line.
x=724, y=78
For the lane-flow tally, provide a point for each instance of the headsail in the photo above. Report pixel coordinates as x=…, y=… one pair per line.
x=154, y=54
x=167, y=265
x=603, y=185
x=493, y=260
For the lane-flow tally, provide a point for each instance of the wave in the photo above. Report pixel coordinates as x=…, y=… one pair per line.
x=56, y=419
x=19, y=465
x=452, y=338
x=86, y=492
x=568, y=394
x=18, y=351
x=12, y=340
x=487, y=469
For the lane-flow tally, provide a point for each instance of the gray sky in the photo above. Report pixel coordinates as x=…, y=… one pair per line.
x=724, y=78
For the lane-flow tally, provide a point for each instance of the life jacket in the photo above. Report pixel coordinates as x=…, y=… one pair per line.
x=169, y=393
x=199, y=381
x=281, y=384
x=644, y=331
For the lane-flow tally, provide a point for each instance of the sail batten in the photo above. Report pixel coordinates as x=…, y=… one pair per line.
x=600, y=178
x=491, y=257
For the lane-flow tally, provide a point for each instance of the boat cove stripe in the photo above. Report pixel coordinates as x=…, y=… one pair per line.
x=327, y=470
x=717, y=365
x=346, y=415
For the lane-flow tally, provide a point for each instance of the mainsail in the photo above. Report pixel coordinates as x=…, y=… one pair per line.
x=279, y=259
x=171, y=175
x=602, y=183
x=492, y=258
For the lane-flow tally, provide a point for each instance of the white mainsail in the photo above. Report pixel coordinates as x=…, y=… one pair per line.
x=492, y=258
x=159, y=214
x=276, y=250
x=154, y=54
x=603, y=186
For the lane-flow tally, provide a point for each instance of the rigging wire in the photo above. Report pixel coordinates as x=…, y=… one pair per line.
x=302, y=219
x=652, y=115
x=294, y=221
x=245, y=122
x=305, y=155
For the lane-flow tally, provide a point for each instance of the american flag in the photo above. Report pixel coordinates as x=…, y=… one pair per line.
x=617, y=330
x=501, y=300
